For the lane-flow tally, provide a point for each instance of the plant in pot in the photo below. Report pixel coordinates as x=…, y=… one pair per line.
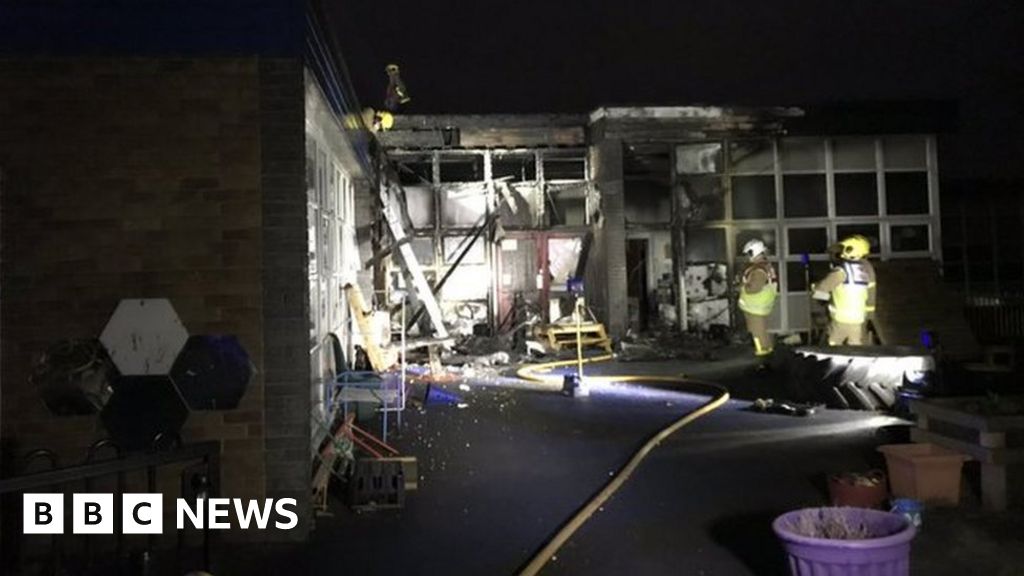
x=845, y=541
x=859, y=489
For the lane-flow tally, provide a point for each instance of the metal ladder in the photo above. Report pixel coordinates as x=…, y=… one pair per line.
x=392, y=215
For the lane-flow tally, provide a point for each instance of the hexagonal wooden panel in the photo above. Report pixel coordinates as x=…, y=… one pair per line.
x=74, y=377
x=141, y=408
x=212, y=372
x=144, y=336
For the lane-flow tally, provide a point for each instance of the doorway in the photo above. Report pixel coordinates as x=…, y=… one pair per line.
x=636, y=284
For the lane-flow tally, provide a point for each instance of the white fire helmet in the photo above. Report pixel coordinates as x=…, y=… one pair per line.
x=754, y=248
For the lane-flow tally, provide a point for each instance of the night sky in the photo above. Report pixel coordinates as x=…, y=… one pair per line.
x=572, y=56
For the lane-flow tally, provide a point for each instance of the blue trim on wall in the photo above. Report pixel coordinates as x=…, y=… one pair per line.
x=152, y=27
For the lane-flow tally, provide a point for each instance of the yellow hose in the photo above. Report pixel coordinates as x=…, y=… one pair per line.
x=721, y=396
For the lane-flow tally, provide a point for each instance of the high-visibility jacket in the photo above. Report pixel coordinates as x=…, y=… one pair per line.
x=760, y=302
x=850, y=298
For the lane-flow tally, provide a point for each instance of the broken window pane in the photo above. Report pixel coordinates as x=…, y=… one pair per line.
x=419, y=202
x=804, y=195
x=906, y=192
x=523, y=196
x=464, y=207
x=751, y=157
x=556, y=168
x=699, y=158
x=704, y=198
x=853, y=154
x=766, y=235
x=567, y=204
x=807, y=241
x=753, y=197
x=568, y=212
x=705, y=245
x=796, y=275
x=802, y=154
x=869, y=231
x=912, y=238
x=905, y=152
x=563, y=254
x=423, y=248
x=856, y=194
x=415, y=173
x=515, y=168
x=462, y=169
x=454, y=245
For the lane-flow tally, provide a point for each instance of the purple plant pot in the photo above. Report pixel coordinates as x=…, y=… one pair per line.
x=886, y=555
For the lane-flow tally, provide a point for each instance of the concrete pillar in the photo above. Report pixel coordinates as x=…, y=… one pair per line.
x=607, y=172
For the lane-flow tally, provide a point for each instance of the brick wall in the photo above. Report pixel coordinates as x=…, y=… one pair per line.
x=913, y=297
x=156, y=178
x=285, y=285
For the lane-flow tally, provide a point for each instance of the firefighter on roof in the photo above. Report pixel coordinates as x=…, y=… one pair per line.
x=757, y=295
x=850, y=291
x=397, y=94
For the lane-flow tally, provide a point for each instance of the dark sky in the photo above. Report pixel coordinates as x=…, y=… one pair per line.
x=460, y=56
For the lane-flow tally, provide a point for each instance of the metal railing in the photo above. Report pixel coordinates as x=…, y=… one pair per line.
x=199, y=479
x=996, y=319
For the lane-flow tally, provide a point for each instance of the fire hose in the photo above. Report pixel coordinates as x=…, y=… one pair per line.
x=719, y=396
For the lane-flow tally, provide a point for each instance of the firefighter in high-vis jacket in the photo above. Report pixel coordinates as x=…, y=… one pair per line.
x=850, y=291
x=758, y=291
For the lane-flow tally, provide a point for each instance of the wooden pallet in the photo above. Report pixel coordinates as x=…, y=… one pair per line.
x=591, y=334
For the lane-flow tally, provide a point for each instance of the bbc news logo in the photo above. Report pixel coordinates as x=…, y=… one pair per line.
x=143, y=513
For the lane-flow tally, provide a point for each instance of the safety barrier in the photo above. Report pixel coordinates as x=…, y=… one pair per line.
x=996, y=319
x=199, y=478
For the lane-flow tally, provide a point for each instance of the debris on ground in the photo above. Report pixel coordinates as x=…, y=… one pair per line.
x=667, y=346
x=771, y=406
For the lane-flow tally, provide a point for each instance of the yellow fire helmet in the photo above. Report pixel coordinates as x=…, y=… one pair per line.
x=855, y=247
x=391, y=69
x=384, y=120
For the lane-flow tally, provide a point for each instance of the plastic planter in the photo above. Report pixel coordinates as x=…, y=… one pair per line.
x=886, y=554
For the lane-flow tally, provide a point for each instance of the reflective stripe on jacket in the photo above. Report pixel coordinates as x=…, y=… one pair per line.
x=850, y=299
x=762, y=302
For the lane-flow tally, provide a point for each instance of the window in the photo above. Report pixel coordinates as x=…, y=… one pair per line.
x=853, y=154
x=463, y=169
x=856, y=194
x=464, y=207
x=869, y=231
x=423, y=248
x=804, y=195
x=563, y=256
x=705, y=245
x=807, y=241
x=906, y=192
x=753, y=197
x=556, y=168
x=912, y=238
x=797, y=275
x=515, y=168
x=419, y=202
x=805, y=155
x=415, y=173
x=699, y=158
x=751, y=157
x=905, y=153
x=454, y=245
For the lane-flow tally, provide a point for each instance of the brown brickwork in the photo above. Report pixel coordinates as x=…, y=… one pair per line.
x=159, y=178
x=911, y=298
